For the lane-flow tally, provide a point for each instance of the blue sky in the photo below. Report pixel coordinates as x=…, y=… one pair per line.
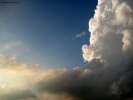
x=41, y=32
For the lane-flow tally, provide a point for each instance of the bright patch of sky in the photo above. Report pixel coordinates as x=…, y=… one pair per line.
x=39, y=32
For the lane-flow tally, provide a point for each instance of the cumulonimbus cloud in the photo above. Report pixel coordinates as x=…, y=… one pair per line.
x=109, y=54
x=108, y=74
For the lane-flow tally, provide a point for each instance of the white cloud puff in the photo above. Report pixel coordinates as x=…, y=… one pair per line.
x=111, y=28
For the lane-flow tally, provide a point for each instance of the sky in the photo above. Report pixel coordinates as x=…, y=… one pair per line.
x=66, y=50
x=42, y=31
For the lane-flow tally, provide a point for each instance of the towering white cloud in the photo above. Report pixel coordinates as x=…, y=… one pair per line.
x=111, y=30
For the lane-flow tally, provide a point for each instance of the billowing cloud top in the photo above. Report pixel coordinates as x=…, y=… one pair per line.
x=107, y=76
x=111, y=30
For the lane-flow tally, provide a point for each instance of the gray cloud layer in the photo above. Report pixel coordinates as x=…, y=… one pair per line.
x=10, y=93
x=92, y=81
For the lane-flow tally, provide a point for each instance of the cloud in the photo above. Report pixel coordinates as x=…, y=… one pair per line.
x=111, y=30
x=81, y=83
x=109, y=57
x=107, y=76
x=79, y=35
x=18, y=79
x=15, y=48
x=6, y=46
x=10, y=93
x=92, y=81
x=49, y=96
x=21, y=73
x=12, y=45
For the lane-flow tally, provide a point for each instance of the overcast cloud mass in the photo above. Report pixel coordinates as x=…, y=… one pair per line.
x=107, y=76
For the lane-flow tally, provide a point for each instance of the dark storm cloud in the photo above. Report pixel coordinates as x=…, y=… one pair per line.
x=85, y=83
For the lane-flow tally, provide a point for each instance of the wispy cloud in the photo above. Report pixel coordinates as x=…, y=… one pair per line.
x=7, y=46
x=13, y=45
x=79, y=35
x=15, y=48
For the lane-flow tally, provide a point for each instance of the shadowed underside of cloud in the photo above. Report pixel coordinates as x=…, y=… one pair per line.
x=107, y=76
x=92, y=81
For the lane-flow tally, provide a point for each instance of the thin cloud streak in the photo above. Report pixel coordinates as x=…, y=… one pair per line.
x=79, y=35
